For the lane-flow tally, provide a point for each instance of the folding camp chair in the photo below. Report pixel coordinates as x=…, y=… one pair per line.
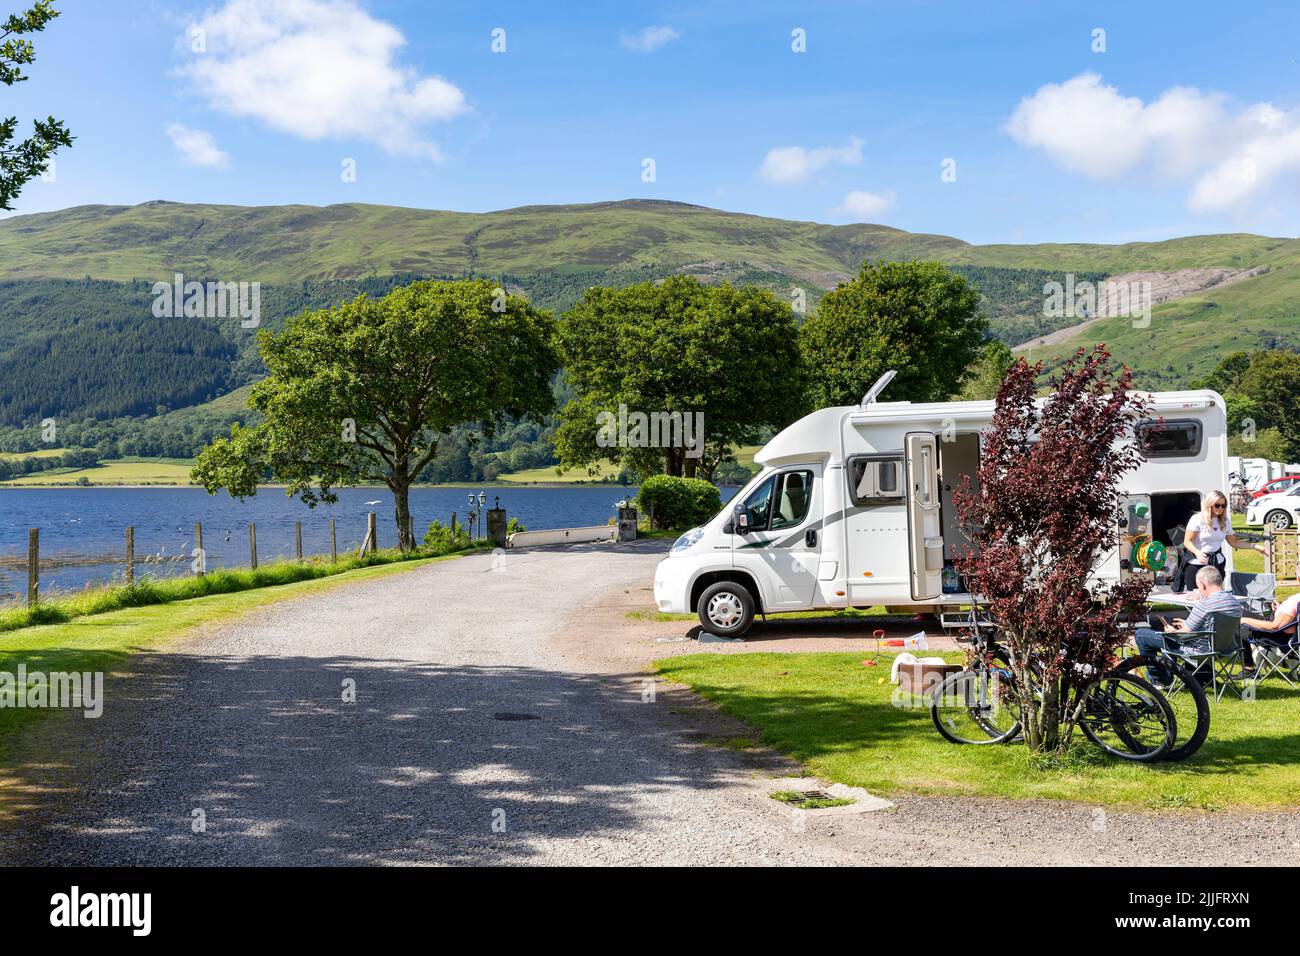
x=1255, y=592
x=1276, y=652
x=1223, y=656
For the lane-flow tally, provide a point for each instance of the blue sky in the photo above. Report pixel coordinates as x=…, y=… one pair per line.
x=1188, y=122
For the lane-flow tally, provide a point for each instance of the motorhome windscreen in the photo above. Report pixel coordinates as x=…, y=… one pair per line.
x=1169, y=438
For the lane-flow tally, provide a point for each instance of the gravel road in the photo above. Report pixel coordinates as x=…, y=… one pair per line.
x=476, y=738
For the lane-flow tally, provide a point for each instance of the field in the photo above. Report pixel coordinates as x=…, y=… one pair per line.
x=121, y=471
x=546, y=475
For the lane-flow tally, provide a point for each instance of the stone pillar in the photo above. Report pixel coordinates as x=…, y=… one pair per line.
x=496, y=526
x=627, y=523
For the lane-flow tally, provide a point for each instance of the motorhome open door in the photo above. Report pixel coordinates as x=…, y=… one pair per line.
x=924, y=528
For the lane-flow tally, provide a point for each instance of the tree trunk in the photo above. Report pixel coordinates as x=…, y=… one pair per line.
x=673, y=462
x=402, y=500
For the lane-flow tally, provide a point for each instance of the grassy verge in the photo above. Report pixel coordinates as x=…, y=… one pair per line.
x=151, y=591
x=837, y=716
x=104, y=642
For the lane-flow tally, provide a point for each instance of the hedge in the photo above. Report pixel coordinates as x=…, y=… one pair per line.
x=678, y=502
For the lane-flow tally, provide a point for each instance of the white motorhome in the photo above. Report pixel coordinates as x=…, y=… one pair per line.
x=853, y=507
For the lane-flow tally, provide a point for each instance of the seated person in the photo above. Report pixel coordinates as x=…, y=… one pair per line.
x=1284, y=615
x=1212, y=599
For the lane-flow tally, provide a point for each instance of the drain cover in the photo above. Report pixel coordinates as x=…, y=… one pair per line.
x=508, y=716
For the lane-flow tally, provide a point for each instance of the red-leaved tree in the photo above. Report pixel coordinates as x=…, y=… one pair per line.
x=1044, y=513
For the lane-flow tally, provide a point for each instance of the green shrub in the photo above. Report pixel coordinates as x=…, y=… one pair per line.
x=439, y=539
x=678, y=502
x=514, y=526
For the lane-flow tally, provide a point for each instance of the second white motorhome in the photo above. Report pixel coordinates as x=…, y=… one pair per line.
x=853, y=507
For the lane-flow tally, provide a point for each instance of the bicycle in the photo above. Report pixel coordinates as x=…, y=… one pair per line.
x=1190, y=703
x=1121, y=713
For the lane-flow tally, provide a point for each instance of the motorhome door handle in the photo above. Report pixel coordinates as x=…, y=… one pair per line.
x=810, y=538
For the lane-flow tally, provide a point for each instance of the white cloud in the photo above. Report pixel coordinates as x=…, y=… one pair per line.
x=864, y=206
x=1233, y=153
x=794, y=164
x=197, y=147
x=318, y=69
x=649, y=39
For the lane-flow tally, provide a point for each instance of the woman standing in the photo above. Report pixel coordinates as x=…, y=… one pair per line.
x=1207, y=531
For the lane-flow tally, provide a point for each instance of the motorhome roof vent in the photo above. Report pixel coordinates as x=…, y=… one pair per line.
x=879, y=387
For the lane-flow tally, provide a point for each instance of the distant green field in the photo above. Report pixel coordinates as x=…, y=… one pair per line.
x=42, y=453
x=126, y=471
x=547, y=475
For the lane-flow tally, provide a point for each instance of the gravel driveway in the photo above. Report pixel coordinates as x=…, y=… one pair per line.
x=474, y=738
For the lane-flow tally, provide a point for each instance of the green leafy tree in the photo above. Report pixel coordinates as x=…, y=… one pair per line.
x=22, y=161
x=1262, y=390
x=1273, y=383
x=916, y=317
x=363, y=392
x=728, y=354
x=987, y=375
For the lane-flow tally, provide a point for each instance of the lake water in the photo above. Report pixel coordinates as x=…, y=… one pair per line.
x=82, y=529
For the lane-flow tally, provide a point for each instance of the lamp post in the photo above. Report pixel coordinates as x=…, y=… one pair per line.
x=471, y=516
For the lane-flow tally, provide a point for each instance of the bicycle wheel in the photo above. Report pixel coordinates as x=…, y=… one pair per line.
x=1128, y=718
x=1190, y=704
x=975, y=707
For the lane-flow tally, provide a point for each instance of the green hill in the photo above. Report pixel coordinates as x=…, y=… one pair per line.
x=77, y=338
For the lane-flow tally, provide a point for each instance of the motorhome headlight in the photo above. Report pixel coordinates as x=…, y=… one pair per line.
x=688, y=539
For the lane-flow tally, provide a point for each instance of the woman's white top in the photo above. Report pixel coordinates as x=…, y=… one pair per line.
x=1209, y=538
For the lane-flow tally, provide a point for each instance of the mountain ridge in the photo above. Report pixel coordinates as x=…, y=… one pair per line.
x=553, y=251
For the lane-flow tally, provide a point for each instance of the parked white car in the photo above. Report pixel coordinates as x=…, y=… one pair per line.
x=1279, y=511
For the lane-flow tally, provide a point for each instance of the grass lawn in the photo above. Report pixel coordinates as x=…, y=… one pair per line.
x=837, y=717
x=104, y=642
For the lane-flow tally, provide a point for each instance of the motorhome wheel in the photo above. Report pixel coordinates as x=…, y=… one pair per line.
x=726, y=609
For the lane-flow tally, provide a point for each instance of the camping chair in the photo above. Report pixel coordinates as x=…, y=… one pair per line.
x=1223, y=653
x=1276, y=652
x=1256, y=592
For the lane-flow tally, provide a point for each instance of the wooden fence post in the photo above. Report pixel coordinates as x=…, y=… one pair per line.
x=198, y=546
x=252, y=545
x=130, y=556
x=372, y=531
x=334, y=547
x=33, y=565
x=453, y=526
x=297, y=539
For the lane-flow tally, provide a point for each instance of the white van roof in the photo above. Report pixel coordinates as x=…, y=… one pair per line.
x=817, y=434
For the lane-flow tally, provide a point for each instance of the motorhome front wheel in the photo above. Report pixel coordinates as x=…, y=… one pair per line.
x=726, y=609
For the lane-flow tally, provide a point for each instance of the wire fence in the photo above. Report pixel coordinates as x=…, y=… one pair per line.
x=33, y=576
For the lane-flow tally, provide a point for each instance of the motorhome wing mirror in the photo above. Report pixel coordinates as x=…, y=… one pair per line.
x=741, y=518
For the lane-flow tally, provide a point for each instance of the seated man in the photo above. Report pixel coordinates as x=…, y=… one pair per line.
x=1284, y=616
x=1212, y=599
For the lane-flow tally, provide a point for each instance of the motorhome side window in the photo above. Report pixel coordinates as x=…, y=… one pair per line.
x=780, y=502
x=876, y=480
x=1169, y=438
x=794, y=489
